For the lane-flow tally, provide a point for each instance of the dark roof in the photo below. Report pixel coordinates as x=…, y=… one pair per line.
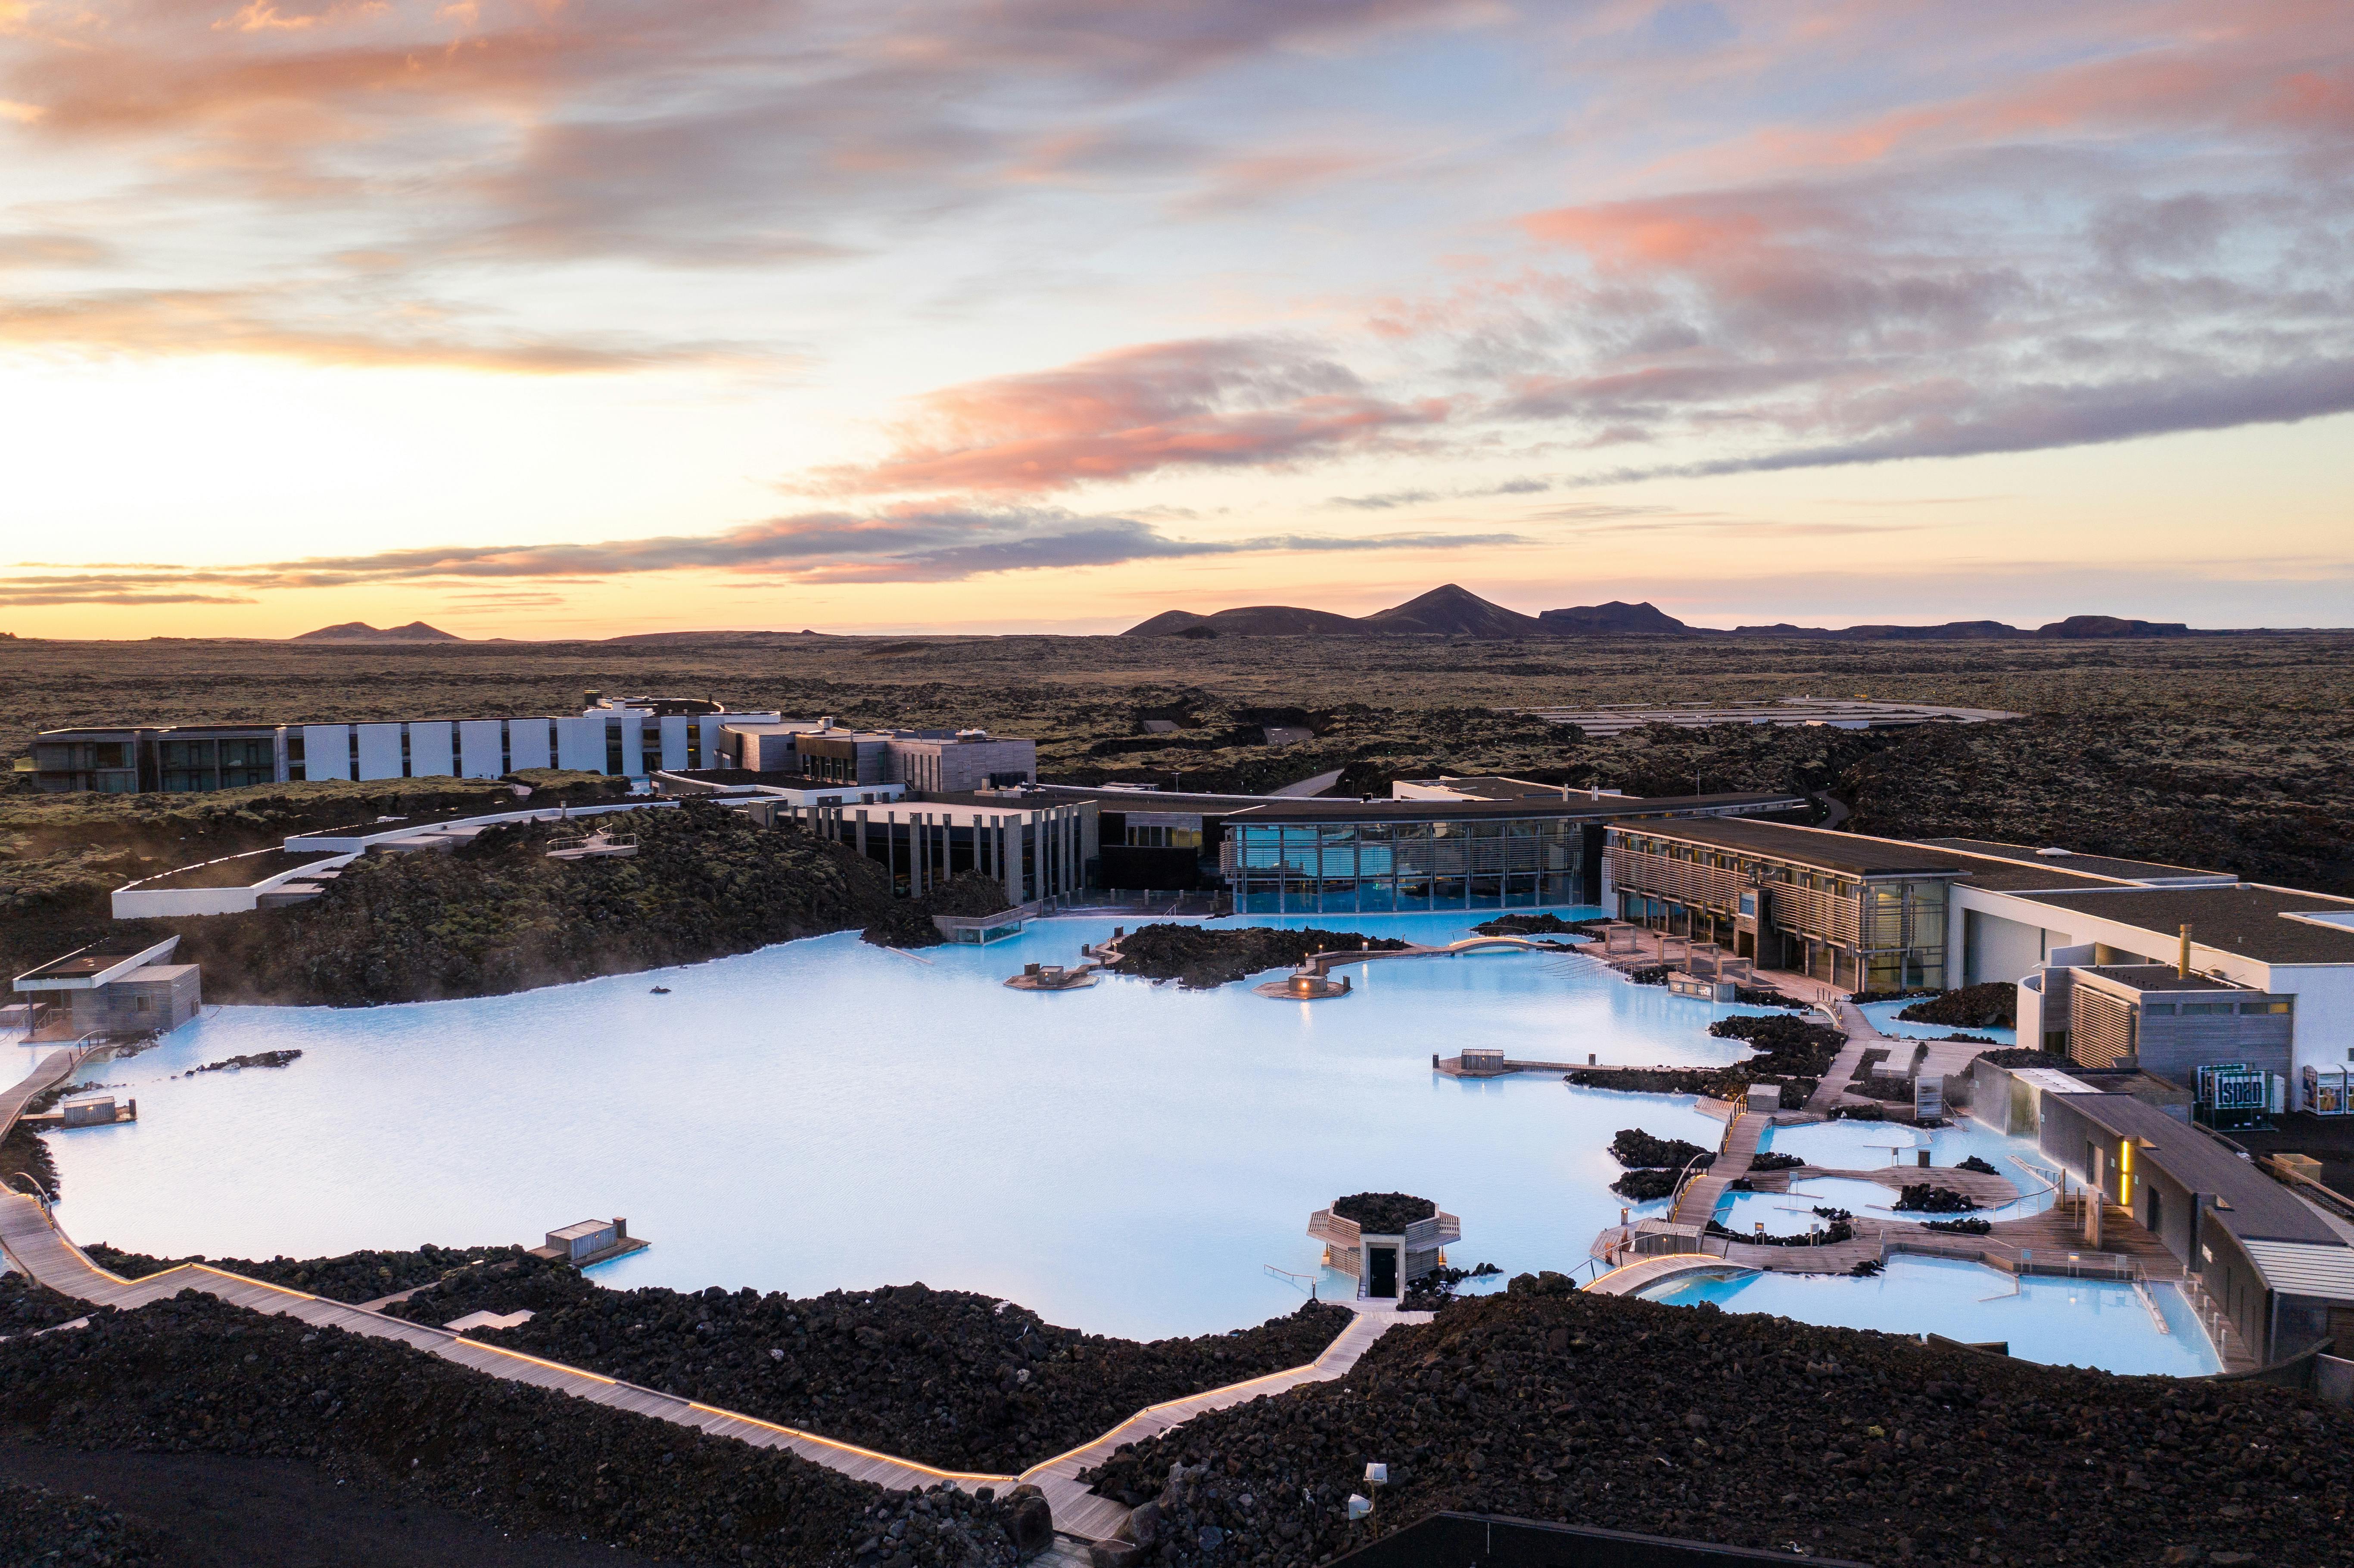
x=84, y=962
x=2021, y=876
x=237, y=871
x=1493, y=787
x=2244, y=919
x=2089, y=865
x=1848, y=852
x=1578, y=806
x=778, y=777
x=2159, y=977
x=2260, y=1207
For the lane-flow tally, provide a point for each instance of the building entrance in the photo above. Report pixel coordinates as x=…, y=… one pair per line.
x=1385, y=1260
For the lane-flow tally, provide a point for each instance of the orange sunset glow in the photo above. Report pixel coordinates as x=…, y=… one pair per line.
x=556, y=318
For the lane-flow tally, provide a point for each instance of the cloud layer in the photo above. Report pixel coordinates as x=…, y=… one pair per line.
x=1012, y=286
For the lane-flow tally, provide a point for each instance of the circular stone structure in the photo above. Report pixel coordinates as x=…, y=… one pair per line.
x=1304, y=987
x=1388, y=1240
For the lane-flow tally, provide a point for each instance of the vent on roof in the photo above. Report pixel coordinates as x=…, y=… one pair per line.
x=2055, y=852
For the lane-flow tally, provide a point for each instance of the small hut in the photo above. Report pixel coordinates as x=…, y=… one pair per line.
x=1388, y=1240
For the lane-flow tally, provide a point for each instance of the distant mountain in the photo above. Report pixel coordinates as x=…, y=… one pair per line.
x=1452, y=611
x=737, y=639
x=1455, y=611
x=1951, y=631
x=1255, y=620
x=361, y=631
x=1615, y=618
x=2110, y=626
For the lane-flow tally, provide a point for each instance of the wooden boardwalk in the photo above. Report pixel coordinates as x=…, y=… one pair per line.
x=1696, y=1204
x=35, y=1246
x=1830, y=1090
x=1082, y=1513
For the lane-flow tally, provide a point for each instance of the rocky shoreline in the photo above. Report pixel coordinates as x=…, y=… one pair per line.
x=943, y=1377
x=1199, y=958
x=353, y=1277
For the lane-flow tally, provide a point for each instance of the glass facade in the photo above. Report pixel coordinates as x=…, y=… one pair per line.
x=1384, y=867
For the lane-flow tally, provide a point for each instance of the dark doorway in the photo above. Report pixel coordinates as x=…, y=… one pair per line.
x=1384, y=1272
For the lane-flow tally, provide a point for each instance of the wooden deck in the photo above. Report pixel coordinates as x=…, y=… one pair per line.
x=1696, y=1204
x=1082, y=1513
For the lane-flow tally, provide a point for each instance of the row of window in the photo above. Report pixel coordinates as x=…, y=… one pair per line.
x=2213, y=1008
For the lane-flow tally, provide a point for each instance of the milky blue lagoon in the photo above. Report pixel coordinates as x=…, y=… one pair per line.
x=2070, y=1322
x=1883, y=1018
x=821, y=1114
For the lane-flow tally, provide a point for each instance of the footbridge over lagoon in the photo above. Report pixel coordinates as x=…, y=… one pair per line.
x=37, y=1246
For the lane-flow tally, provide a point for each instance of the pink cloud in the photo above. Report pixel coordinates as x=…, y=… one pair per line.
x=1212, y=403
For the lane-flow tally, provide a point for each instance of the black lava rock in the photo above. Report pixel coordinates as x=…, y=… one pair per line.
x=1201, y=957
x=1383, y=1213
x=353, y=1277
x=1637, y=1150
x=1688, y=1421
x=946, y=1377
x=197, y=1374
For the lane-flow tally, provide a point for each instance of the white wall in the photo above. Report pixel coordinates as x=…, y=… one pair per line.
x=481, y=748
x=527, y=742
x=2324, y=1036
x=1994, y=948
x=430, y=752
x=326, y=751
x=580, y=743
x=379, y=750
x=673, y=739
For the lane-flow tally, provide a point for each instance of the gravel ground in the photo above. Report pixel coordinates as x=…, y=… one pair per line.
x=197, y=1375
x=945, y=1377
x=26, y=1307
x=1757, y=1431
x=39, y=1526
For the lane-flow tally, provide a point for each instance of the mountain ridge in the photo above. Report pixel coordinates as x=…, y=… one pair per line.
x=1453, y=610
x=361, y=631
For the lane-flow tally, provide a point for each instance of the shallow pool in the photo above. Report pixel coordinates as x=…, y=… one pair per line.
x=1883, y=1018
x=1126, y=1158
x=1869, y=1145
x=2070, y=1322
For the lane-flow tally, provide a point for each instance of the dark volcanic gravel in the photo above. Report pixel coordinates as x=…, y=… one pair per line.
x=1383, y=1213
x=1758, y=1432
x=38, y=1526
x=353, y=1277
x=1635, y=1149
x=26, y=1307
x=946, y=1377
x=1200, y=957
x=194, y=1373
x=1994, y=1005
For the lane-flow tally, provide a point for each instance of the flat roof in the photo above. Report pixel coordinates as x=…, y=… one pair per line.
x=1383, y=809
x=1496, y=787
x=2088, y=864
x=1848, y=852
x=2300, y=1268
x=2161, y=977
x=2260, y=1207
x=83, y=967
x=2244, y=919
x=581, y=1228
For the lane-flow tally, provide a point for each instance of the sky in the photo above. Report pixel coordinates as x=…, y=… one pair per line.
x=563, y=318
